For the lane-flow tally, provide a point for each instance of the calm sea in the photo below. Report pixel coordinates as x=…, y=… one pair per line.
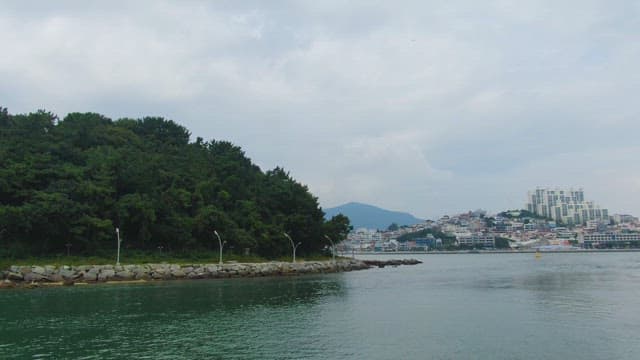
x=466, y=306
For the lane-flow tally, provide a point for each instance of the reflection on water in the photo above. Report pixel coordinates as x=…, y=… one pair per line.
x=157, y=319
x=177, y=296
x=508, y=306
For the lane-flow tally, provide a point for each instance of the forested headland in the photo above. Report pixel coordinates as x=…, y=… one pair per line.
x=71, y=182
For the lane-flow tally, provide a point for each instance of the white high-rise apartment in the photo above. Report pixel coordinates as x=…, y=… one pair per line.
x=565, y=206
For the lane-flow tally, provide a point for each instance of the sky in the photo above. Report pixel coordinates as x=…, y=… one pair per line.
x=429, y=107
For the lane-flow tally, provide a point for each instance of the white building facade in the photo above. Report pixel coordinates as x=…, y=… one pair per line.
x=477, y=240
x=566, y=206
x=611, y=238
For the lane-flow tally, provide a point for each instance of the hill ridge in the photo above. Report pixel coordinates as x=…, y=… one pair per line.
x=371, y=216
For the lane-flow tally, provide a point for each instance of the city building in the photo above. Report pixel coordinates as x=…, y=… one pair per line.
x=610, y=239
x=623, y=219
x=477, y=240
x=565, y=206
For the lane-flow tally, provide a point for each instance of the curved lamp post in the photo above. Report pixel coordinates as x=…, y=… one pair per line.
x=221, y=243
x=294, y=247
x=333, y=248
x=119, y=241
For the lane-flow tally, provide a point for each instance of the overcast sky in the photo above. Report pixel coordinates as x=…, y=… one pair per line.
x=430, y=107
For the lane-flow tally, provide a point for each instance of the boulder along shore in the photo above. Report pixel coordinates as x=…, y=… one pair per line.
x=35, y=276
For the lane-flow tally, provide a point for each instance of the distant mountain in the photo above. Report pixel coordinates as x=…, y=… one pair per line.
x=371, y=217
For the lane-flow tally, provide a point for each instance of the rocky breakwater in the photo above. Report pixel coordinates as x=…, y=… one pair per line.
x=70, y=275
x=383, y=263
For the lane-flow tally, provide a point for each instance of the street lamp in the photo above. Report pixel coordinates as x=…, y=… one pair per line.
x=293, y=246
x=333, y=248
x=119, y=241
x=221, y=243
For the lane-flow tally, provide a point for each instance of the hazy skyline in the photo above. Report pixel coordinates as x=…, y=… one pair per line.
x=428, y=107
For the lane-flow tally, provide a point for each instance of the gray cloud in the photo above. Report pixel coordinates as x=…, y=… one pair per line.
x=430, y=107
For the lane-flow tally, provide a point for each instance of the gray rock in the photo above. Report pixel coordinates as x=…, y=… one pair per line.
x=34, y=277
x=124, y=275
x=106, y=274
x=50, y=270
x=91, y=275
x=156, y=274
x=195, y=275
x=141, y=275
x=7, y=284
x=178, y=273
x=15, y=276
x=68, y=274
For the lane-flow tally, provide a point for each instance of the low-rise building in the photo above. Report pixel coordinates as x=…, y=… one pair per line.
x=610, y=239
x=477, y=240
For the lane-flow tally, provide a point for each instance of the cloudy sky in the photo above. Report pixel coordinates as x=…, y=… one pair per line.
x=430, y=107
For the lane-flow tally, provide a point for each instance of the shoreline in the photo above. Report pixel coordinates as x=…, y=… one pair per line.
x=452, y=252
x=50, y=275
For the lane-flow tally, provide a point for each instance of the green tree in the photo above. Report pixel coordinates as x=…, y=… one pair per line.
x=77, y=179
x=502, y=243
x=337, y=228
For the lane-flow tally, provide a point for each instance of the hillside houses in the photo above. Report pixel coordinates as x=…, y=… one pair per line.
x=515, y=229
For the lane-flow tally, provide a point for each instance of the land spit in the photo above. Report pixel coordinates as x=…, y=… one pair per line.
x=34, y=276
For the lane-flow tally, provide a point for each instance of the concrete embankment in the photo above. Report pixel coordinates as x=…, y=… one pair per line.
x=75, y=275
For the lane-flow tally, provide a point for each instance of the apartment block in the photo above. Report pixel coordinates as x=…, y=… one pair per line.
x=567, y=206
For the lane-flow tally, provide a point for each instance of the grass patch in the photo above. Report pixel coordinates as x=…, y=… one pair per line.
x=145, y=258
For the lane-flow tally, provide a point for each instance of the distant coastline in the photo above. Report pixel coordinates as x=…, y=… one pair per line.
x=451, y=252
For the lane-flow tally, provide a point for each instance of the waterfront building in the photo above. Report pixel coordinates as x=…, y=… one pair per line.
x=610, y=239
x=365, y=235
x=566, y=206
x=427, y=242
x=564, y=234
x=477, y=240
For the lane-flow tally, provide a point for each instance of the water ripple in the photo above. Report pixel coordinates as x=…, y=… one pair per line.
x=450, y=307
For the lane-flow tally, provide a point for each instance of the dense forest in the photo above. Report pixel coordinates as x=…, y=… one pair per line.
x=72, y=182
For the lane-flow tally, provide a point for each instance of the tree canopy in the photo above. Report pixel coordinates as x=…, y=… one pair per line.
x=75, y=180
x=446, y=239
x=522, y=214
